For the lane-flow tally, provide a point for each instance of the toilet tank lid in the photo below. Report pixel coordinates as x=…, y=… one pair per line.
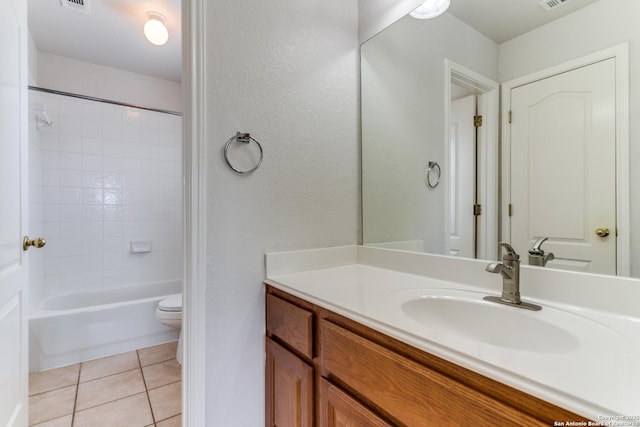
x=172, y=303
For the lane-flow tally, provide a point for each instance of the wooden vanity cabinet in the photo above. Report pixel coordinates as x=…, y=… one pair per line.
x=289, y=374
x=361, y=377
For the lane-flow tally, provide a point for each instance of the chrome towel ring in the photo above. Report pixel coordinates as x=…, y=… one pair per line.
x=432, y=174
x=245, y=138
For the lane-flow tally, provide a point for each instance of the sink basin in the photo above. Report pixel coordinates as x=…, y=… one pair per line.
x=467, y=315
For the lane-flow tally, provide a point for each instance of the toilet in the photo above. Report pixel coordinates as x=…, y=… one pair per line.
x=169, y=313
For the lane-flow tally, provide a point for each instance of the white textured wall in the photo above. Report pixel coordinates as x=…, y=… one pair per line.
x=80, y=77
x=403, y=119
x=376, y=15
x=287, y=72
x=596, y=27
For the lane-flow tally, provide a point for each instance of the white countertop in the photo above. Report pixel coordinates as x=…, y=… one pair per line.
x=596, y=376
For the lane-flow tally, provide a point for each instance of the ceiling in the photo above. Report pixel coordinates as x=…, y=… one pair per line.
x=502, y=20
x=111, y=35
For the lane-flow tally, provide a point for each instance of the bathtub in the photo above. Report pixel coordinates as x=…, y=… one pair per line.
x=80, y=326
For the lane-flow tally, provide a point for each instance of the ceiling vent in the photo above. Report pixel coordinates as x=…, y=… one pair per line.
x=549, y=5
x=83, y=6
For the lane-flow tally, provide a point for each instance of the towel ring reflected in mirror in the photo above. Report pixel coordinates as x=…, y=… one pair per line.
x=432, y=174
x=244, y=138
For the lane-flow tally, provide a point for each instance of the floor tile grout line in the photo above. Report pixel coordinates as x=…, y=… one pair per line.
x=163, y=385
x=75, y=401
x=146, y=389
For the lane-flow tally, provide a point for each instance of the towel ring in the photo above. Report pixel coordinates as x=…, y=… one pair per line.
x=246, y=139
x=432, y=169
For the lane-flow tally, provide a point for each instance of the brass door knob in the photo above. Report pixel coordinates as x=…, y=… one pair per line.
x=602, y=232
x=36, y=243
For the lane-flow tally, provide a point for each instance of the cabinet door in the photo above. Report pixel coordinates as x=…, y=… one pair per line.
x=289, y=383
x=337, y=409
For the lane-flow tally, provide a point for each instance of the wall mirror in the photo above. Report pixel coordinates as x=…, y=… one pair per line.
x=424, y=81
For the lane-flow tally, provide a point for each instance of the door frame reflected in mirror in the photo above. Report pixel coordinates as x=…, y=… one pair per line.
x=487, y=162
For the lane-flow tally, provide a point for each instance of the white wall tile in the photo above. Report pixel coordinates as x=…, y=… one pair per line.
x=70, y=178
x=71, y=143
x=70, y=126
x=50, y=159
x=71, y=161
x=50, y=177
x=93, y=212
x=113, y=180
x=91, y=129
x=92, y=162
x=91, y=145
x=70, y=195
x=101, y=184
x=112, y=229
x=50, y=141
x=69, y=230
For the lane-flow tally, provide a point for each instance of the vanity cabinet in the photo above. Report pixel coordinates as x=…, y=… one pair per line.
x=289, y=374
x=361, y=377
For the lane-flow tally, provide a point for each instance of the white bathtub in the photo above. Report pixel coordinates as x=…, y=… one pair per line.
x=80, y=326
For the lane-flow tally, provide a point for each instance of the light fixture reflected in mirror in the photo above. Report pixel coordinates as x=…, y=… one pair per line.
x=430, y=9
x=155, y=29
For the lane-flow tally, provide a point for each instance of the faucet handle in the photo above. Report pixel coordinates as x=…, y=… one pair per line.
x=511, y=254
x=535, y=249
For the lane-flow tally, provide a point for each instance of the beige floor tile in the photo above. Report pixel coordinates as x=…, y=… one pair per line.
x=158, y=353
x=107, y=389
x=166, y=401
x=58, y=422
x=132, y=411
x=51, y=405
x=108, y=366
x=162, y=373
x=52, y=379
x=171, y=422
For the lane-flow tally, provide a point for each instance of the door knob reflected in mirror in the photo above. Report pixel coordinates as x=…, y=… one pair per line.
x=36, y=243
x=602, y=232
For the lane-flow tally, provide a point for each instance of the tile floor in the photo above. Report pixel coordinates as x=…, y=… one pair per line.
x=135, y=389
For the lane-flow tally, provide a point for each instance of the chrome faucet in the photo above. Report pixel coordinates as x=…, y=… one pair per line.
x=536, y=254
x=509, y=269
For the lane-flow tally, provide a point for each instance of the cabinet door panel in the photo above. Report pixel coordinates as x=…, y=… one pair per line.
x=412, y=394
x=289, y=383
x=337, y=409
x=291, y=324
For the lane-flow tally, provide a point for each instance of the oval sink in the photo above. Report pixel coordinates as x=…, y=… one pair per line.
x=492, y=323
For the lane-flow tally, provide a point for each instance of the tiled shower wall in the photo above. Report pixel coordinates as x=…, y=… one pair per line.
x=110, y=175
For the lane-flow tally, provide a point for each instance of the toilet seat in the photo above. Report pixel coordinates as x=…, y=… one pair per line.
x=171, y=304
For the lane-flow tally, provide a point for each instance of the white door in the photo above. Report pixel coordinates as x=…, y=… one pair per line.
x=462, y=177
x=13, y=274
x=563, y=167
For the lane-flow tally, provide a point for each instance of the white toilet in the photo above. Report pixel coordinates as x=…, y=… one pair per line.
x=169, y=312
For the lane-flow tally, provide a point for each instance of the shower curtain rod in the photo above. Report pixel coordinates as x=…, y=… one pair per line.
x=106, y=101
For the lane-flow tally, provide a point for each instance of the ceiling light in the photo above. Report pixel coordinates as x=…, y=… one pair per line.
x=430, y=9
x=155, y=30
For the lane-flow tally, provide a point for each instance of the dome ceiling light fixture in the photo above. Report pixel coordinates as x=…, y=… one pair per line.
x=430, y=9
x=155, y=29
